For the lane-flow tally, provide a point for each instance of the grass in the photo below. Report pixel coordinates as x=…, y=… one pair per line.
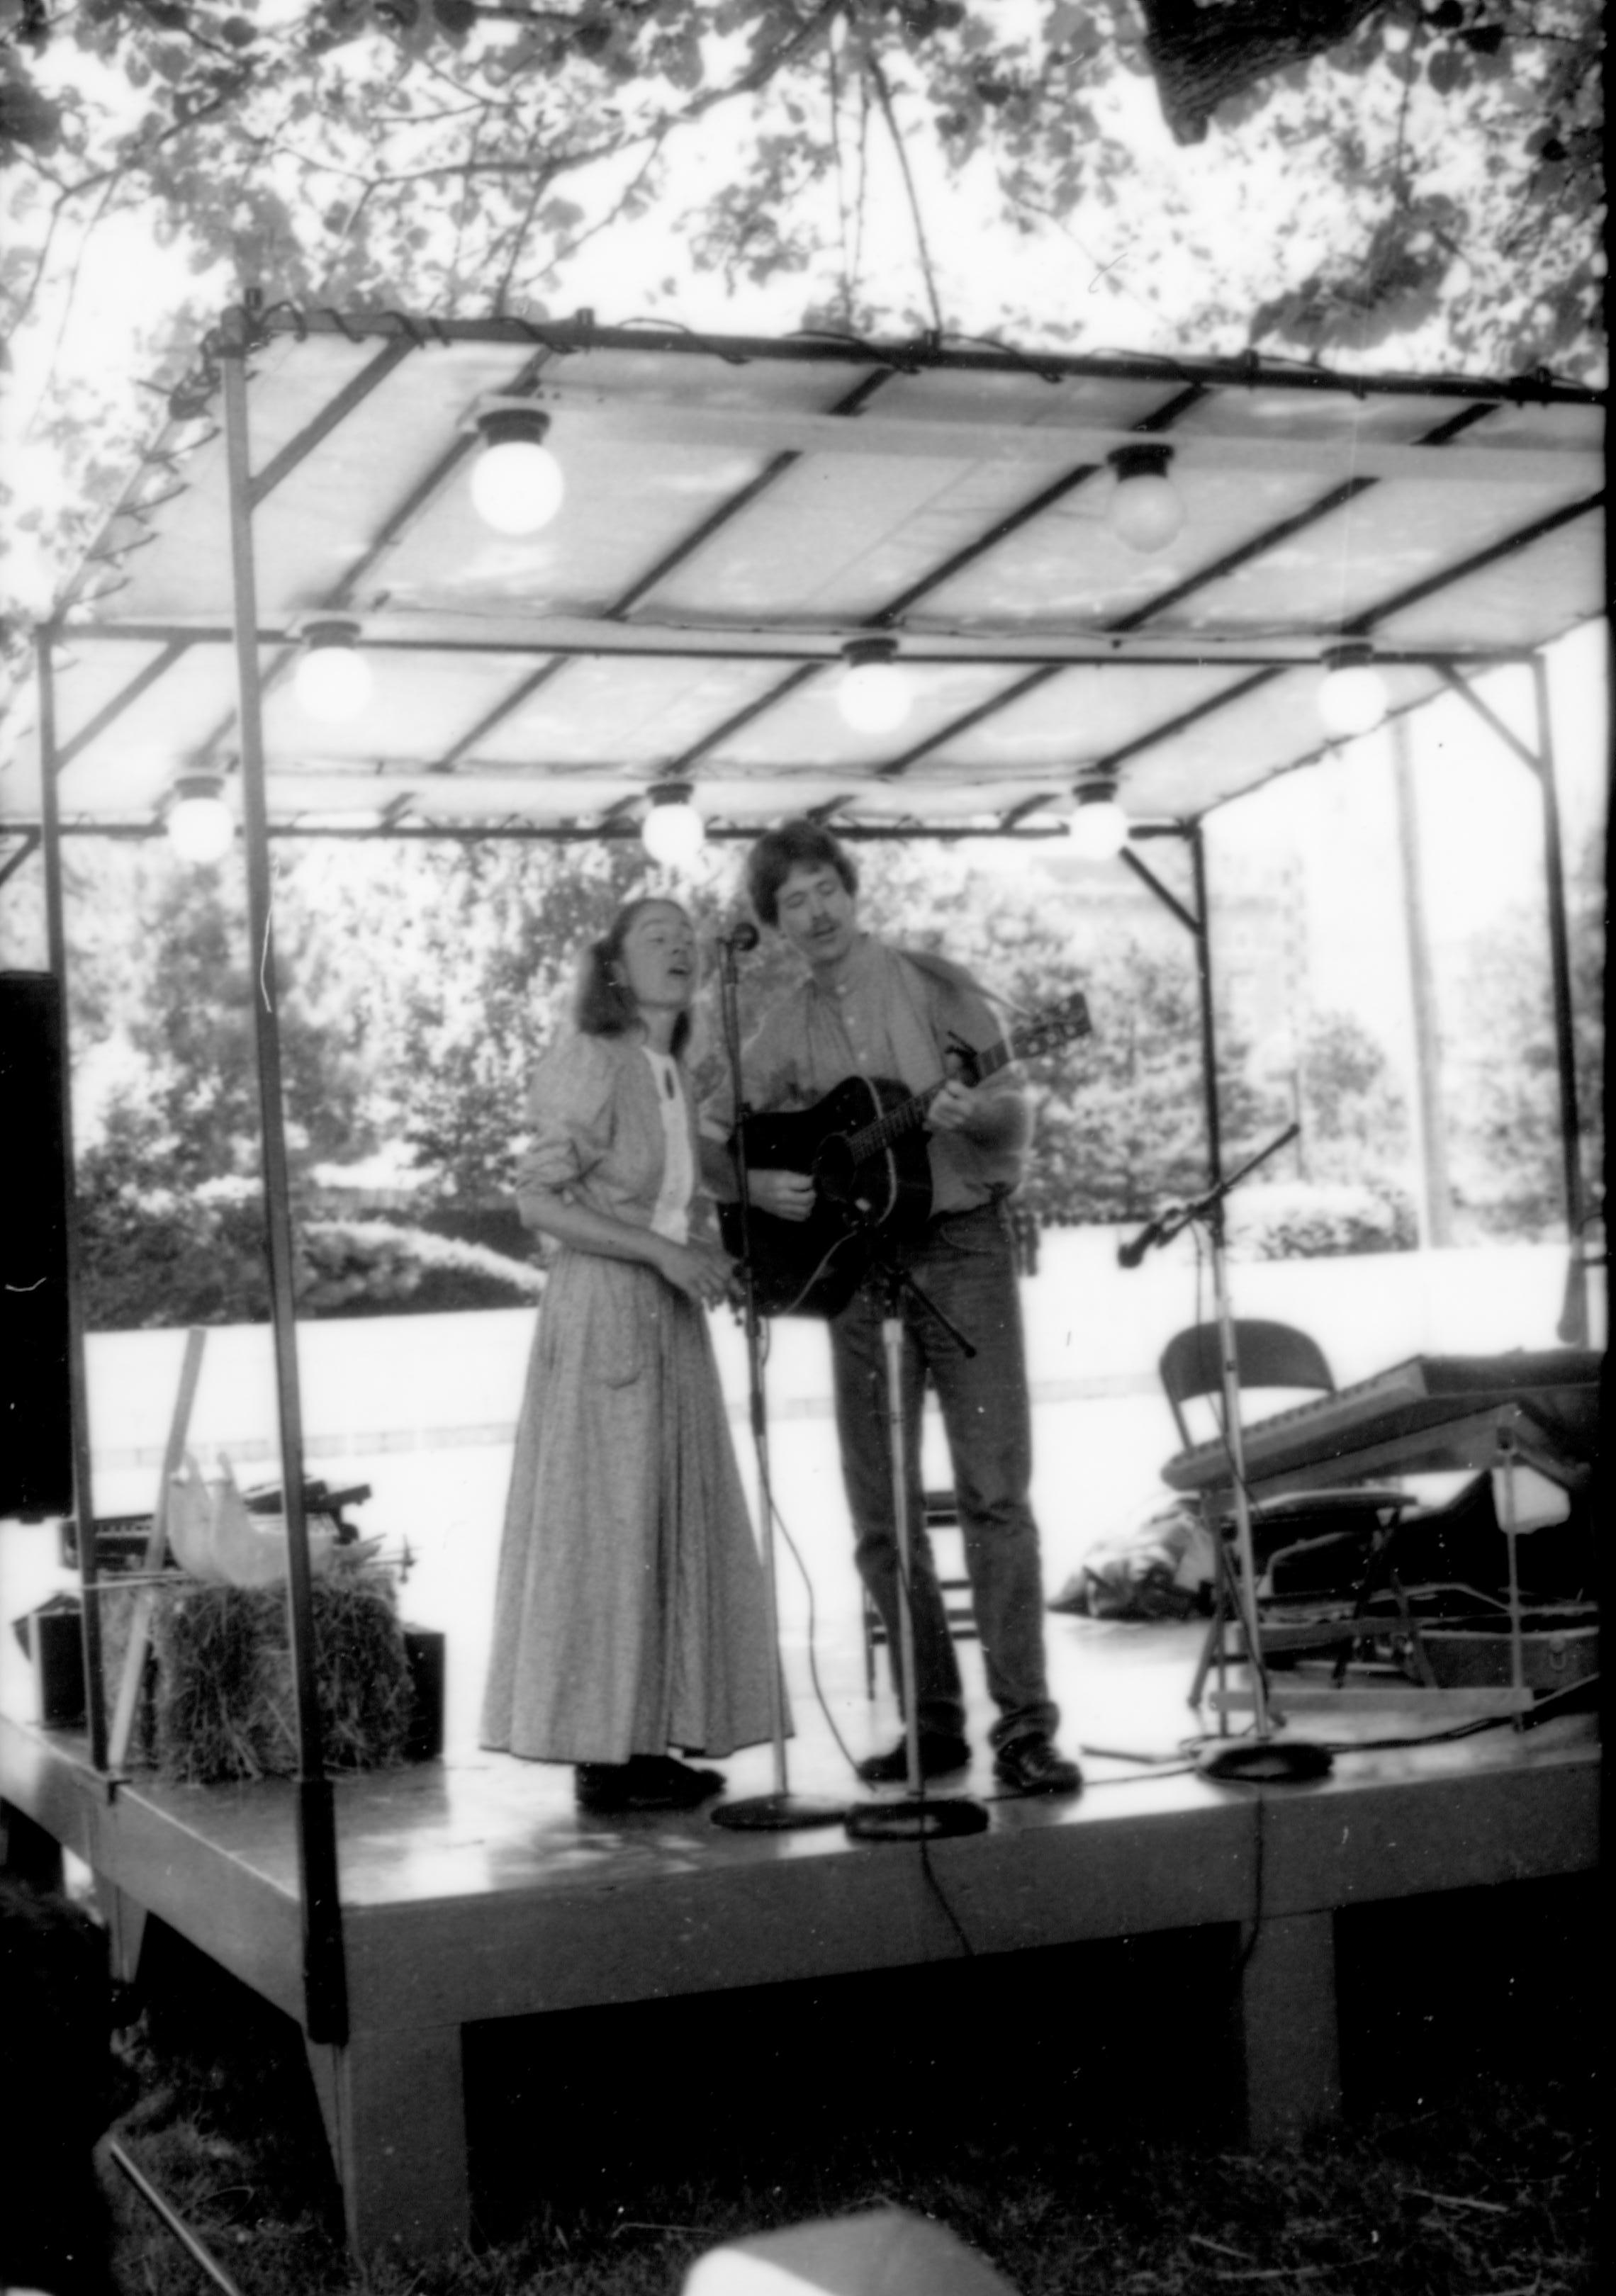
x=1065, y=2114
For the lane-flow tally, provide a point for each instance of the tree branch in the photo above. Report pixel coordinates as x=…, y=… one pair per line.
x=883, y=96
x=147, y=150
x=460, y=219
x=541, y=184
x=25, y=301
x=67, y=309
x=349, y=225
x=618, y=208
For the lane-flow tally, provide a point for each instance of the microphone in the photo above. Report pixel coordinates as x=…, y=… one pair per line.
x=740, y=937
x=1156, y=1230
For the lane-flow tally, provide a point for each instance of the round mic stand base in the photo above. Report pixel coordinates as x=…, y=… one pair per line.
x=1265, y=1761
x=914, y=1821
x=778, y=1813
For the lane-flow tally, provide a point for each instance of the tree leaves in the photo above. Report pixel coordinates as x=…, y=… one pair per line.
x=27, y=116
x=428, y=154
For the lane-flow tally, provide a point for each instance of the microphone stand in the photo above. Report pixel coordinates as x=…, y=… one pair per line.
x=1258, y=1758
x=782, y=1811
x=917, y=1817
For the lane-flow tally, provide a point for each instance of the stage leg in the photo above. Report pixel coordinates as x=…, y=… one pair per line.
x=1289, y=2046
x=27, y=1853
x=394, y=2107
x=126, y=1926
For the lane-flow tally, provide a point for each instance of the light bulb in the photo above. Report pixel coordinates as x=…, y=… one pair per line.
x=673, y=833
x=517, y=484
x=332, y=680
x=1098, y=828
x=873, y=695
x=1146, y=513
x=1351, y=696
x=1145, y=510
x=199, y=823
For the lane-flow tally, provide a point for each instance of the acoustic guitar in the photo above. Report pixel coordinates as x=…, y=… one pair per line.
x=863, y=1148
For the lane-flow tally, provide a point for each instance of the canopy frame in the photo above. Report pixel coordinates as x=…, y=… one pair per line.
x=803, y=652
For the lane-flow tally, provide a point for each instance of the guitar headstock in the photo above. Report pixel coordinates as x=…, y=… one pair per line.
x=1055, y=1025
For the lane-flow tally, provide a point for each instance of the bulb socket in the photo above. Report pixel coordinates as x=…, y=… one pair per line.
x=513, y=426
x=1148, y=460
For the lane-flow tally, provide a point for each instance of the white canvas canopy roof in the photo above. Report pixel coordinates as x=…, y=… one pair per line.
x=736, y=512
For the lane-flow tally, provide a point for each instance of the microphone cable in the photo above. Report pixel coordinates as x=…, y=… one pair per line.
x=812, y=1657
x=968, y=1952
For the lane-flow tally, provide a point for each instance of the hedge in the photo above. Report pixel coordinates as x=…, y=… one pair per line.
x=155, y=1257
x=1300, y=1219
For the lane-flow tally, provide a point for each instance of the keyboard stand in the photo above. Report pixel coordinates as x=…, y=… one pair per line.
x=1518, y=1439
x=1278, y=1639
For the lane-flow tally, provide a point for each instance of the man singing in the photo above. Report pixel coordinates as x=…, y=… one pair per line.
x=868, y=1008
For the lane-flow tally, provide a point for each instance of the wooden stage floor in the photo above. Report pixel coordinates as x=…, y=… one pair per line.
x=471, y=1889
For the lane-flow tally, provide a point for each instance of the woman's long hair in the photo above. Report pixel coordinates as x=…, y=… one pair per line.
x=605, y=1005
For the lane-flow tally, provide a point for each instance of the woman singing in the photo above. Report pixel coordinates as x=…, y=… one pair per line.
x=630, y=1617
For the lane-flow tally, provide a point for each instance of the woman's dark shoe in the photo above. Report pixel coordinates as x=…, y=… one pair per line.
x=686, y=1784
x=643, y=1782
x=939, y=1753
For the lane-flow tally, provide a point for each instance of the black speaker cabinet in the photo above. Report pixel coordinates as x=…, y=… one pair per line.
x=36, y=1439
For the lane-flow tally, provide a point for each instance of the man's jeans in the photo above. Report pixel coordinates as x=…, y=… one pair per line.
x=965, y=1263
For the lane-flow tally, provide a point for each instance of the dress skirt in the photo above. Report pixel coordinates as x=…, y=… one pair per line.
x=631, y=1613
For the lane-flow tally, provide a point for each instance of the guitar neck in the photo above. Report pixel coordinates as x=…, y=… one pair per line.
x=872, y=1138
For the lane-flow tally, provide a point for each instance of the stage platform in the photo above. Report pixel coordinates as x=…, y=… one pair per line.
x=473, y=1890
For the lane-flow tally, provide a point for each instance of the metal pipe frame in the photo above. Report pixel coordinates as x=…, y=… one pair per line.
x=28, y=841
x=399, y=334
x=324, y=1983
x=1559, y=944
x=325, y=1980
x=79, y=1384
x=1196, y=921
x=1209, y=1032
x=394, y=527
x=926, y=353
x=592, y=833
x=820, y=647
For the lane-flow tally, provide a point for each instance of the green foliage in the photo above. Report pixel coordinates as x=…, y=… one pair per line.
x=369, y=1267
x=1502, y=1073
x=158, y=1257
x=1442, y=174
x=153, y=1257
x=1307, y=1219
x=459, y=964
x=421, y=983
x=1355, y=1123
x=165, y=972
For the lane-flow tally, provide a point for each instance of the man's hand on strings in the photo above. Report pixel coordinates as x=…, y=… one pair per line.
x=954, y=1109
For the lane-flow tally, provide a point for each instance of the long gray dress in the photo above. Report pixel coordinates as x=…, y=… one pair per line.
x=630, y=1614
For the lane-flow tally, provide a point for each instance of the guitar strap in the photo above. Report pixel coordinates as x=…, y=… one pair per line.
x=958, y=984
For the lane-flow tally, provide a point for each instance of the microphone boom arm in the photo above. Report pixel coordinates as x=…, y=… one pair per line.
x=1174, y=1218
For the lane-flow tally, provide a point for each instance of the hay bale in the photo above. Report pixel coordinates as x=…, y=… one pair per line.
x=224, y=1706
